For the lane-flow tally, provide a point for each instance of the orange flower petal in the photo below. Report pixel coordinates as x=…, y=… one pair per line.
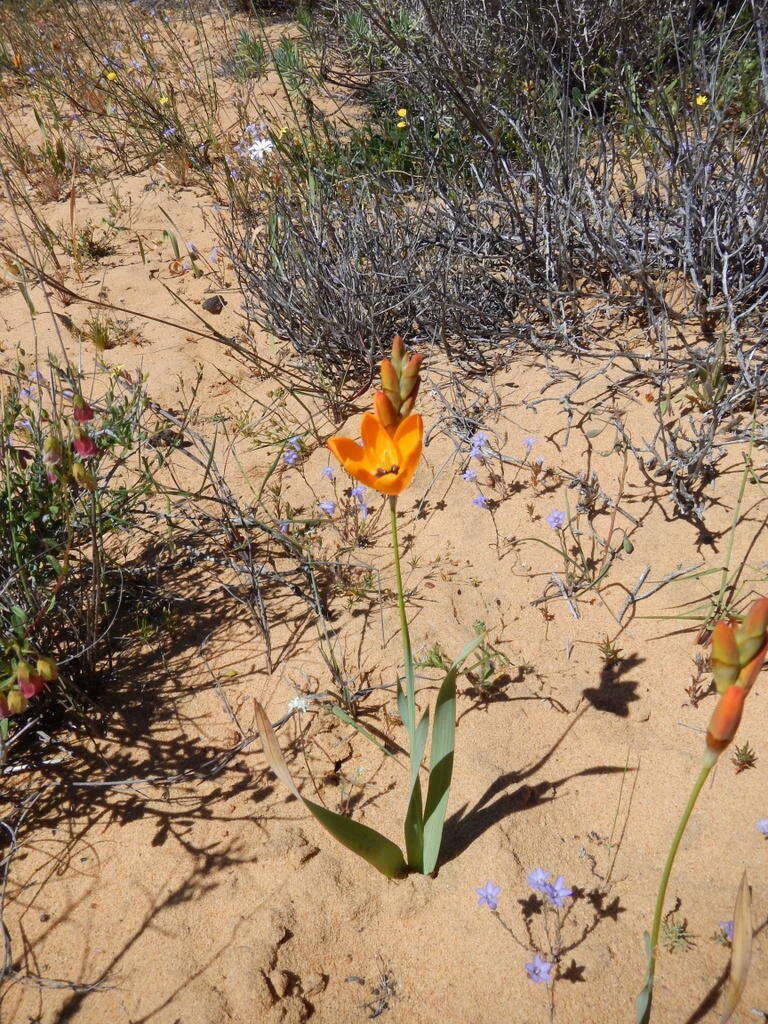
x=346, y=450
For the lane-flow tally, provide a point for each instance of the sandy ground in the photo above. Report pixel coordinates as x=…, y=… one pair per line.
x=220, y=900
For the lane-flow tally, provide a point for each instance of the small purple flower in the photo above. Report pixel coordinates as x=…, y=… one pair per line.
x=528, y=443
x=488, y=895
x=477, y=442
x=327, y=473
x=169, y=132
x=213, y=255
x=363, y=510
x=480, y=501
x=538, y=879
x=329, y=507
x=192, y=249
x=762, y=827
x=557, y=892
x=290, y=457
x=26, y=394
x=726, y=927
x=556, y=519
x=284, y=525
x=36, y=377
x=539, y=970
x=470, y=475
x=358, y=492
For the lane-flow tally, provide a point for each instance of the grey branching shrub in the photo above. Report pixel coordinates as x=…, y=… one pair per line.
x=338, y=273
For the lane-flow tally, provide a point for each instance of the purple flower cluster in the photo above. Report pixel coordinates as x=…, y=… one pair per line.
x=556, y=892
x=291, y=457
x=476, y=444
x=358, y=493
x=329, y=507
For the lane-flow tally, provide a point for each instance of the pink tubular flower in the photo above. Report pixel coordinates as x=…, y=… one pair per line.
x=84, y=445
x=82, y=412
x=30, y=682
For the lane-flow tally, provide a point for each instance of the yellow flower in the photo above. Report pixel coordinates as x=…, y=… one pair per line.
x=402, y=124
x=702, y=100
x=528, y=86
x=111, y=76
x=402, y=112
x=163, y=100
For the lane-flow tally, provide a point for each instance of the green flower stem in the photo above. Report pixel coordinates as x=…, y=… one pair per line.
x=414, y=817
x=407, y=655
x=710, y=760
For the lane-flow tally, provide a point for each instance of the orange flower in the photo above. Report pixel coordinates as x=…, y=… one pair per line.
x=386, y=462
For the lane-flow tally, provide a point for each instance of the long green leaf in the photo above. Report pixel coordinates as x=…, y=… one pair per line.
x=345, y=717
x=441, y=760
x=414, y=816
x=645, y=998
x=366, y=842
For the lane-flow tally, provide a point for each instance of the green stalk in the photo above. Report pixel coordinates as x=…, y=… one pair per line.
x=710, y=759
x=417, y=737
x=407, y=655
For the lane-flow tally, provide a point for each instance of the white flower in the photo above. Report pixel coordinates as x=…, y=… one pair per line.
x=298, y=704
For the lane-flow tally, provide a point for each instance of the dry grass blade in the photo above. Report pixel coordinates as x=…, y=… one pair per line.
x=272, y=751
x=742, y=949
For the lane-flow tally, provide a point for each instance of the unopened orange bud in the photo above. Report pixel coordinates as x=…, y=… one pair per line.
x=390, y=382
x=751, y=670
x=385, y=413
x=409, y=378
x=725, y=718
x=724, y=659
x=752, y=633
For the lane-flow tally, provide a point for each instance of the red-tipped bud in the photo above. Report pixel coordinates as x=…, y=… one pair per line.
x=81, y=411
x=725, y=719
x=752, y=633
x=384, y=411
x=47, y=668
x=398, y=353
x=724, y=659
x=4, y=709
